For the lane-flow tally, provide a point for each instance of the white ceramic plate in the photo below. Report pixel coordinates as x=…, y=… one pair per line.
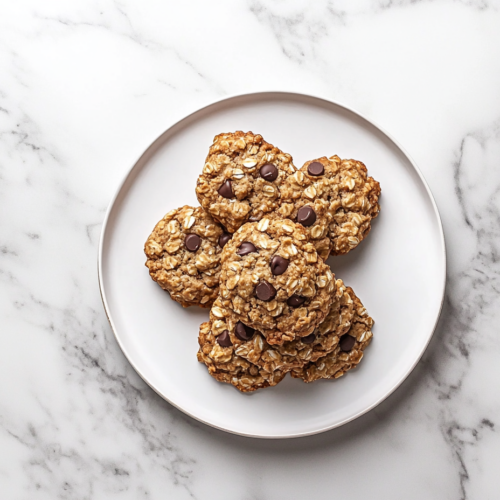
x=398, y=271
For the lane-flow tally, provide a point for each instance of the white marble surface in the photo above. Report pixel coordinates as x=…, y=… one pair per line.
x=84, y=88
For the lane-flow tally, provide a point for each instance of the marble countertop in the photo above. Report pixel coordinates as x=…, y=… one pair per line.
x=85, y=86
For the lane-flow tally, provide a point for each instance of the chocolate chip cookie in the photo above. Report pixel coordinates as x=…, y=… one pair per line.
x=183, y=255
x=224, y=365
x=335, y=200
x=273, y=280
x=240, y=340
x=348, y=352
x=241, y=178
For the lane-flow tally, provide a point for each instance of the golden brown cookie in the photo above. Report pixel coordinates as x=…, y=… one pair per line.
x=241, y=178
x=348, y=352
x=273, y=280
x=235, y=338
x=226, y=366
x=335, y=200
x=183, y=255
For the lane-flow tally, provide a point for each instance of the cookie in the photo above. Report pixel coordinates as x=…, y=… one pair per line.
x=183, y=255
x=335, y=200
x=348, y=352
x=273, y=280
x=241, y=178
x=226, y=366
x=236, y=339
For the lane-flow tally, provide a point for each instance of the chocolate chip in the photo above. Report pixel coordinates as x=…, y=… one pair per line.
x=243, y=332
x=279, y=265
x=316, y=168
x=295, y=300
x=347, y=342
x=269, y=172
x=192, y=242
x=245, y=248
x=226, y=190
x=224, y=340
x=309, y=339
x=224, y=238
x=265, y=291
x=306, y=216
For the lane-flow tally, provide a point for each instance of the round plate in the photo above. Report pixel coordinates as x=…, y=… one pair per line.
x=398, y=271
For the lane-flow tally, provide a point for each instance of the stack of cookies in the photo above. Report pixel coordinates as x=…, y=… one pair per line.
x=254, y=252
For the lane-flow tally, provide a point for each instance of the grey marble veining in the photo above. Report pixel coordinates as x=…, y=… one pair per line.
x=85, y=86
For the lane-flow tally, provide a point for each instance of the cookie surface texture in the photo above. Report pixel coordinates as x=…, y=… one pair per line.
x=226, y=366
x=335, y=200
x=253, y=346
x=241, y=178
x=348, y=351
x=273, y=280
x=183, y=256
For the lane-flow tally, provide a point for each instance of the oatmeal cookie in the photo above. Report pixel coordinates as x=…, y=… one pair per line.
x=241, y=178
x=348, y=352
x=183, y=255
x=335, y=200
x=273, y=280
x=249, y=344
x=226, y=366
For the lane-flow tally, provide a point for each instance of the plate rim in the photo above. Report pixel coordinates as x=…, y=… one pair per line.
x=263, y=94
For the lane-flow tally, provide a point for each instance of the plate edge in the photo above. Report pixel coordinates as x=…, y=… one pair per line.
x=283, y=93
